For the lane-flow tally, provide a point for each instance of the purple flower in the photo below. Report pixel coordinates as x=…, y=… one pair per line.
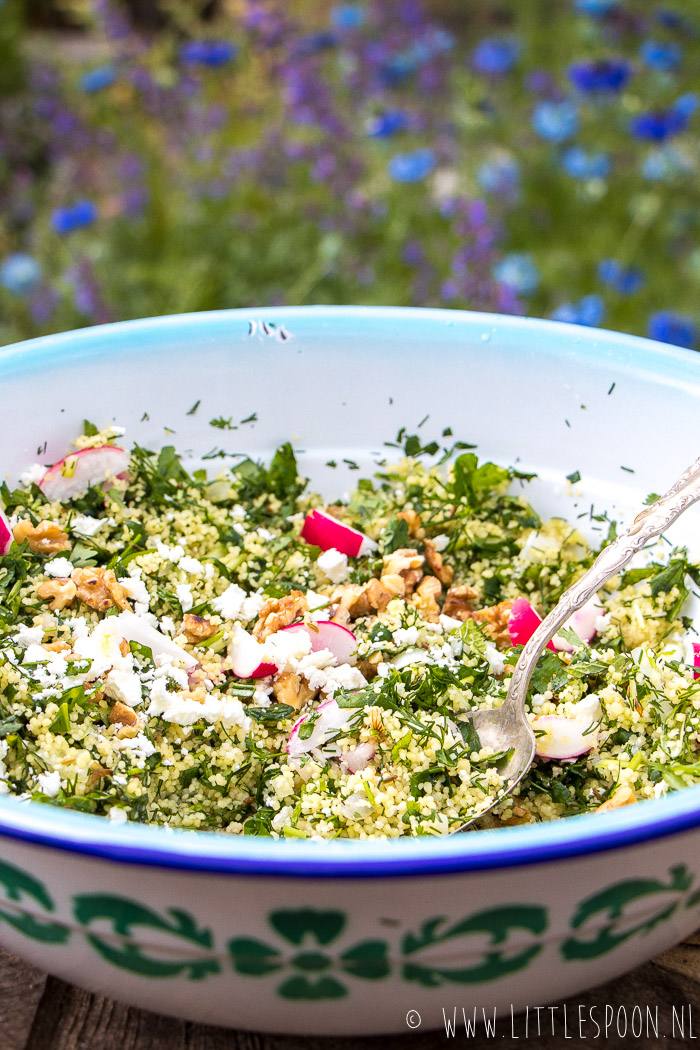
x=397, y=69
x=208, y=53
x=610, y=74
x=81, y=213
x=20, y=274
x=588, y=311
x=412, y=167
x=660, y=55
x=624, y=279
x=580, y=164
x=388, y=123
x=494, y=57
x=678, y=329
x=348, y=16
x=98, y=79
x=312, y=43
x=518, y=272
x=555, y=121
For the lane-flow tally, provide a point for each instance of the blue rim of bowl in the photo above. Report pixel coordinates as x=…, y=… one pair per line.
x=152, y=846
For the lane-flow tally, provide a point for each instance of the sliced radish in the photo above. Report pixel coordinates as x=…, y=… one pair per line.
x=564, y=736
x=324, y=531
x=696, y=659
x=73, y=475
x=134, y=629
x=247, y=656
x=583, y=623
x=330, y=719
x=359, y=757
x=333, y=636
x=523, y=622
x=6, y=536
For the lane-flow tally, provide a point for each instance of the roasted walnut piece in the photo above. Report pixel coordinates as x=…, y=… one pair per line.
x=61, y=592
x=279, y=613
x=123, y=716
x=415, y=525
x=99, y=588
x=622, y=796
x=407, y=563
x=197, y=628
x=458, y=602
x=352, y=602
x=290, y=688
x=425, y=598
x=44, y=538
x=495, y=618
x=444, y=573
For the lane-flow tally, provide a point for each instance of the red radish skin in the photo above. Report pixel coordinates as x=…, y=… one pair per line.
x=696, y=659
x=523, y=622
x=330, y=718
x=565, y=737
x=5, y=535
x=248, y=657
x=324, y=531
x=74, y=474
x=332, y=636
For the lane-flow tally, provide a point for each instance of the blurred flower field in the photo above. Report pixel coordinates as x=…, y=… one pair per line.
x=521, y=156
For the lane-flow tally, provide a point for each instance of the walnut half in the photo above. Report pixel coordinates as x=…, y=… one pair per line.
x=61, y=592
x=44, y=538
x=99, y=588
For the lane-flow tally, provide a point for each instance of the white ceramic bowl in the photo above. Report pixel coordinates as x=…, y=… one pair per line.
x=351, y=937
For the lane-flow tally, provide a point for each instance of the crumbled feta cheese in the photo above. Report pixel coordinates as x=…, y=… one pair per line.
x=334, y=565
x=167, y=625
x=440, y=542
x=58, y=567
x=84, y=525
x=170, y=553
x=449, y=623
x=316, y=601
x=191, y=565
x=102, y=647
x=265, y=534
x=140, y=746
x=35, y=654
x=136, y=590
x=124, y=686
x=184, y=596
x=496, y=659
x=49, y=783
x=33, y=475
x=235, y=604
x=28, y=635
x=165, y=669
x=174, y=707
x=118, y=815
x=406, y=635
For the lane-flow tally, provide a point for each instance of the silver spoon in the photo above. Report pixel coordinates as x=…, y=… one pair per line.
x=507, y=727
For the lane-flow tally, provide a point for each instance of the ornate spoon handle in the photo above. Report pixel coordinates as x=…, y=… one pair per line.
x=650, y=522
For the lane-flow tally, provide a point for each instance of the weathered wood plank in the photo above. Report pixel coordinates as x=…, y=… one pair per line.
x=21, y=988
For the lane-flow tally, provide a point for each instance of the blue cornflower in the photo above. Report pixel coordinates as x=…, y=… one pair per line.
x=20, y=274
x=580, y=164
x=65, y=220
x=412, y=167
x=555, y=121
x=518, y=272
x=678, y=329
x=659, y=125
x=659, y=164
x=588, y=311
x=610, y=74
x=500, y=175
x=660, y=55
x=348, y=16
x=494, y=57
x=595, y=8
x=97, y=79
x=388, y=123
x=208, y=52
x=624, y=279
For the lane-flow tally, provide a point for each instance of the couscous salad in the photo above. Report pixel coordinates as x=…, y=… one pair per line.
x=234, y=654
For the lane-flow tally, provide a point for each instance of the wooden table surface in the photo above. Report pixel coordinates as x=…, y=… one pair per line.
x=39, y=1012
